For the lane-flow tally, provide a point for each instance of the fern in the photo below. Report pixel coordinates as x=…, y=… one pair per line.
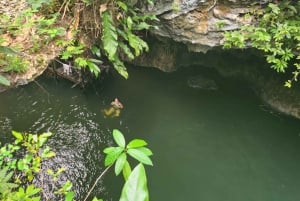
x=93, y=67
x=126, y=50
x=120, y=67
x=110, y=36
x=5, y=185
x=137, y=44
x=118, y=25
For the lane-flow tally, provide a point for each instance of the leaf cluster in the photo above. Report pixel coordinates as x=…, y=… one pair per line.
x=33, y=30
x=135, y=148
x=20, y=163
x=121, y=23
x=135, y=187
x=276, y=33
x=75, y=51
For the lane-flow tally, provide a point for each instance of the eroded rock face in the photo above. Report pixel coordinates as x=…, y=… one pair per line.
x=196, y=26
x=200, y=24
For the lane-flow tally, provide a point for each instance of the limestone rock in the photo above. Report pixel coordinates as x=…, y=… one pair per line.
x=200, y=24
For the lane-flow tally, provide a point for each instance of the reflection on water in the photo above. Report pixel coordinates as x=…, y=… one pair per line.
x=208, y=145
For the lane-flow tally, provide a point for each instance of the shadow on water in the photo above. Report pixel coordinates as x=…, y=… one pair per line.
x=208, y=145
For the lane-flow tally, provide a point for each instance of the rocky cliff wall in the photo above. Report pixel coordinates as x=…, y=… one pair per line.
x=200, y=24
x=190, y=32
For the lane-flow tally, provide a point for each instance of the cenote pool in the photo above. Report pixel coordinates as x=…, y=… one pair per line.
x=222, y=145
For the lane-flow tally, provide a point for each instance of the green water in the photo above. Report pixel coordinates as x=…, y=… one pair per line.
x=222, y=145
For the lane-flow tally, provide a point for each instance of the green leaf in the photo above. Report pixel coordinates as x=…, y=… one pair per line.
x=80, y=61
x=122, y=5
x=93, y=68
x=7, y=50
x=129, y=22
x=135, y=188
x=142, y=26
x=95, y=199
x=43, y=138
x=120, y=163
x=69, y=196
x=126, y=170
x=145, y=150
x=134, y=43
x=126, y=50
x=49, y=154
x=119, y=138
x=4, y=181
x=31, y=190
x=136, y=143
x=112, y=156
x=17, y=135
x=140, y=156
x=45, y=135
x=35, y=138
x=50, y=172
x=123, y=34
x=137, y=43
x=109, y=150
x=288, y=84
x=96, y=51
x=96, y=61
x=37, y=4
x=4, y=81
x=109, y=36
x=120, y=67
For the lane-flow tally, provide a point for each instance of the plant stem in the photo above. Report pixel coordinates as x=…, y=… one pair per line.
x=100, y=176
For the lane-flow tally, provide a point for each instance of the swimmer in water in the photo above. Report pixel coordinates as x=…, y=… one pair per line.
x=114, y=110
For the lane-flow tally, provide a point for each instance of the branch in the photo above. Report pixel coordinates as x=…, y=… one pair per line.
x=100, y=176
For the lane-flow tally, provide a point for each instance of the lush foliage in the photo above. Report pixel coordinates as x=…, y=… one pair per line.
x=39, y=25
x=135, y=186
x=277, y=33
x=21, y=163
x=32, y=33
x=120, y=21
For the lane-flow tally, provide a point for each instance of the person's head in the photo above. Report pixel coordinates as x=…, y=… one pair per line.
x=117, y=104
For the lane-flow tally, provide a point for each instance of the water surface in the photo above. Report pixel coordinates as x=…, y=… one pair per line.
x=223, y=145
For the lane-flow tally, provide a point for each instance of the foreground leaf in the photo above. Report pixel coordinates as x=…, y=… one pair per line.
x=120, y=163
x=136, y=143
x=69, y=196
x=17, y=135
x=126, y=170
x=140, y=156
x=113, y=155
x=145, y=150
x=5, y=177
x=135, y=188
x=119, y=138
